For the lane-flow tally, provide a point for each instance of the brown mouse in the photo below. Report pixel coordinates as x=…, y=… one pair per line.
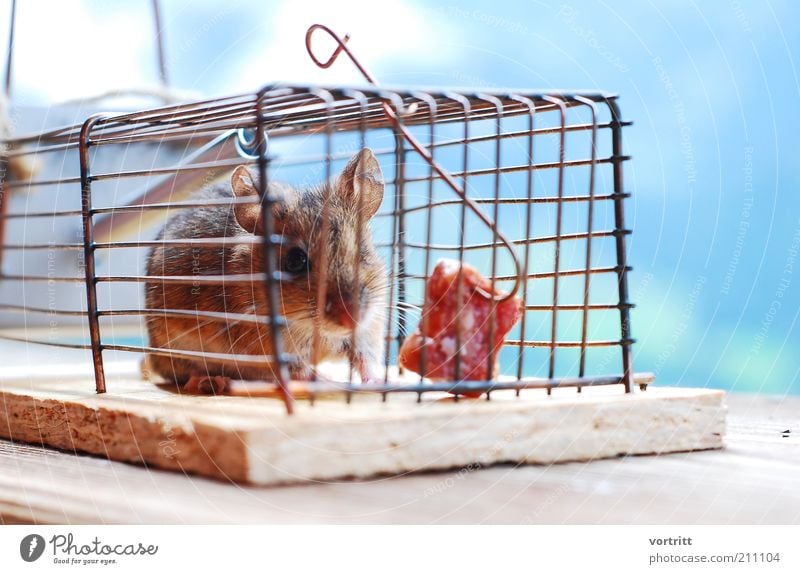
x=298, y=218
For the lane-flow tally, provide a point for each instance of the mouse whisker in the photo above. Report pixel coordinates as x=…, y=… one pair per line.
x=404, y=305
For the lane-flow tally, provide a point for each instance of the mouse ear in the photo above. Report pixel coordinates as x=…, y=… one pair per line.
x=243, y=185
x=361, y=182
x=248, y=215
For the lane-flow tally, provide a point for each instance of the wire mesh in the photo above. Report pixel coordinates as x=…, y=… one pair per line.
x=542, y=216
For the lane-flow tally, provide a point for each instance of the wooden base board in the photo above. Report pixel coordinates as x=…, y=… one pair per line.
x=252, y=440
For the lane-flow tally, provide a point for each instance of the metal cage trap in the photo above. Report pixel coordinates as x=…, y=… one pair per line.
x=526, y=187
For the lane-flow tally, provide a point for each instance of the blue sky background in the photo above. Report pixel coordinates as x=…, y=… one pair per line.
x=713, y=89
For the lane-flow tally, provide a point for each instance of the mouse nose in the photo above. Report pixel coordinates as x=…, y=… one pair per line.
x=342, y=309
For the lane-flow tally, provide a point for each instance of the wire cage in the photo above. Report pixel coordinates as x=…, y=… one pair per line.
x=526, y=187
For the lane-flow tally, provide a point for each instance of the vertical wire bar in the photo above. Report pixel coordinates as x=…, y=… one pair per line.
x=10, y=55
x=3, y=203
x=622, y=259
x=162, y=61
x=460, y=279
x=401, y=154
x=431, y=103
x=496, y=216
x=397, y=103
x=559, y=211
x=325, y=231
x=528, y=227
x=462, y=235
x=270, y=260
x=393, y=265
x=88, y=253
x=589, y=227
x=362, y=127
x=3, y=152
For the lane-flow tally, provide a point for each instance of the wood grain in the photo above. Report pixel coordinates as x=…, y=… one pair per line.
x=252, y=439
x=754, y=480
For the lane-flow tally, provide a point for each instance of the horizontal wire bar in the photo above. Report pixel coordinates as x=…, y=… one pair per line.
x=42, y=278
x=220, y=164
x=208, y=165
x=508, y=201
x=520, y=168
x=237, y=278
x=166, y=134
x=259, y=360
x=196, y=242
x=33, y=309
x=179, y=205
x=569, y=344
x=194, y=314
x=79, y=346
x=580, y=307
x=41, y=182
x=40, y=150
x=31, y=215
x=241, y=317
x=170, y=112
x=242, y=115
x=277, y=240
x=39, y=246
x=455, y=387
x=532, y=240
x=544, y=275
x=107, y=127
x=240, y=360
x=280, y=276
x=193, y=204
x=72, y=132
x=223, y=316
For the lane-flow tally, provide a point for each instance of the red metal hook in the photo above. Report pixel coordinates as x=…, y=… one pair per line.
x=341, y=47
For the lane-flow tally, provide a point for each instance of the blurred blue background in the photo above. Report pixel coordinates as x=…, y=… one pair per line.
x=713, y=90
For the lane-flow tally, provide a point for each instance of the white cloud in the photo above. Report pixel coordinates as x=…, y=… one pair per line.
x=81, y=48
x=71, y=49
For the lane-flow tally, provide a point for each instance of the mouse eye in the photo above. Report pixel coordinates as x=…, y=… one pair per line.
x=296, y=261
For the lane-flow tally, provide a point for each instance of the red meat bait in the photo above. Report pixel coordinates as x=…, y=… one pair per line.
x=441, y=323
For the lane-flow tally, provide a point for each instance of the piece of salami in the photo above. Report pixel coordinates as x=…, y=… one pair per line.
x=440, y=339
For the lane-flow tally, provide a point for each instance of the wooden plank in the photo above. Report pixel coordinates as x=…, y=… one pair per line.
x=252, y=440
x=754, y=480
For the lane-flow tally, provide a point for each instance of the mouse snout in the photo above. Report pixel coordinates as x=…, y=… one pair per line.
x=341, y=309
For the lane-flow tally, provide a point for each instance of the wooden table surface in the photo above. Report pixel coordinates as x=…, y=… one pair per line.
x=754, y=480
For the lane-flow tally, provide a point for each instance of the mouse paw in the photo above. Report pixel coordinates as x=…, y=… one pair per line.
x=369, y=372
x=370, y=378
x=206, y=385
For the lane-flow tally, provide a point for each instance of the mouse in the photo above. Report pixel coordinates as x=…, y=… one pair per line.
x=355, y=299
